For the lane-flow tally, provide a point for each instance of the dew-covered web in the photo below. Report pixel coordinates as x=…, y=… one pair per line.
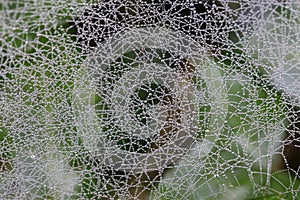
x=149, y=99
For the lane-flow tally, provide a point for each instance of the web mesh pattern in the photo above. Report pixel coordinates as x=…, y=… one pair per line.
x=149, y=99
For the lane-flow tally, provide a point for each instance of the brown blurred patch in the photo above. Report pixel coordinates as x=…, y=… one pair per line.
x=5, y=166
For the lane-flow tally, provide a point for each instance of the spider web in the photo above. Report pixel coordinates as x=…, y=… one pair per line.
x=149, y=99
